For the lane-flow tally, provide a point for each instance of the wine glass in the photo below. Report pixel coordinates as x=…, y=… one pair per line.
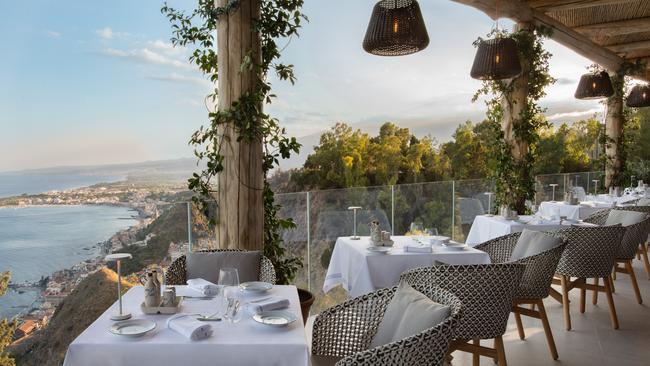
x=416, y=231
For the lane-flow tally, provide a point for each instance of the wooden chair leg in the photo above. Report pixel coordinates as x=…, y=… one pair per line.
x=644, y=256
x=612, y=278
x=476, y=358
x=565, y=302
x=594, y=296
x=547, y=329
x=614, y=272
x=610, y=301
x=501, y=353
x=520, y=326
x=635, y=284
x=583, y=294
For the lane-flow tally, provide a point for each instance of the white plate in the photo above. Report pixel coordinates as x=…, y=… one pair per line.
x=133, y=328
x=375, y=249
x=456, y=246
x=439, y=239
x=256, y=286
x=275, y=318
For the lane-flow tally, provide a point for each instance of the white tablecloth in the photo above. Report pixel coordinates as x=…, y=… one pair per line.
x=244, y=343
x=626, y=198
x=485, y=228
x=360, y=271
x=574, y=212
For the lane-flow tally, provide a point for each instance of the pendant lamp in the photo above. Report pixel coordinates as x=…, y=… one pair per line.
x=496, y=59
x=396, y=28
x=594, y=86
x=639, y=96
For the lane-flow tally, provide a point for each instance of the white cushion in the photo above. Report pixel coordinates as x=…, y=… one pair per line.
x=408, y=313
x=206, y=265
x=532, y=242
x=625, y=218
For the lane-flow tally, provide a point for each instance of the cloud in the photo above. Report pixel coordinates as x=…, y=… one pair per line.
x=177, y=78
x=166, y=47
x=566, y=81
x=145, y=55
x=108, y=33
x=574, y=114
x=52, y=34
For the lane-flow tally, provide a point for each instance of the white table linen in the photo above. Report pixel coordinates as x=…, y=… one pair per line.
x=624, y=199
x=243, y=343
x=360, y=271
x=485, y=228
x=574, y=212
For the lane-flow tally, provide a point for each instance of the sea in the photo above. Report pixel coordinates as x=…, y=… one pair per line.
x=36, y=241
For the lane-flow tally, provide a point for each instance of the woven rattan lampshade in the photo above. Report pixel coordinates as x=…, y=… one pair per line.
x=594, y=86
x=396, y=28
x=496, y=59
x=639, y=96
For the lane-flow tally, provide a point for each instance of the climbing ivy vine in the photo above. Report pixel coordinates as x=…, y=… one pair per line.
x=279, y=19
x=514, y=179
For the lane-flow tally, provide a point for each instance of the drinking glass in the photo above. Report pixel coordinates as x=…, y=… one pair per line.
x=431, y=231
x=229, y=279
x=416, y=231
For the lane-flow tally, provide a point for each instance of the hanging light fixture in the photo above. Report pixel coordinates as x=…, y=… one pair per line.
x=639, y=96
x=594, y=86
x=497, y=58
x=396, y=28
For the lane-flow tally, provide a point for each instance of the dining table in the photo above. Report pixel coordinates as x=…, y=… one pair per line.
x=244, y=343
x=360, y=271
x=574, y=212
x=486, y=227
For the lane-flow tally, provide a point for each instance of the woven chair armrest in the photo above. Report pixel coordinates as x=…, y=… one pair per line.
x=500, y=249
x=428, y=347
x=598, y=217
x=349, y=327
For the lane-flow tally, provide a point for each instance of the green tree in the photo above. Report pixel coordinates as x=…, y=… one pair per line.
x=7, y=327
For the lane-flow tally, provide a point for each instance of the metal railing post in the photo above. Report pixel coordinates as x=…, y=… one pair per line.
x=453, y=209
x=189, y=225
x=308, y=241
x=392, y=210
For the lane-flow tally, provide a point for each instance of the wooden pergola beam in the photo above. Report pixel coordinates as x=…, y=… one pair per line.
x=632, y=50
x=558, y=5
x=618, y=28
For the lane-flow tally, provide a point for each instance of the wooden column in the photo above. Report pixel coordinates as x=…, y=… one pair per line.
x=614, y=133
x=513, y=104
x=241, y=212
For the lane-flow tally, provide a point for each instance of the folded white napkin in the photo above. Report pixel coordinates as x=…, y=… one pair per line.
x=417, y=248
x=207, y=288
x=189, y=327
x=272, y=303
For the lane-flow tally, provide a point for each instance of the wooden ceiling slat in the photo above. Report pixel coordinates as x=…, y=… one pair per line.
x=617, y=28
x=558, y=5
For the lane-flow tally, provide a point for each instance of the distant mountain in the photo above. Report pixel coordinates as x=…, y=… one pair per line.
x=159, y=170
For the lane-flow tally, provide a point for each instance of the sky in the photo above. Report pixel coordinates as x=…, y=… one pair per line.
x=86, y=82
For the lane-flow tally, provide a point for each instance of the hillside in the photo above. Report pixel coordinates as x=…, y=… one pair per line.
x=89, y=300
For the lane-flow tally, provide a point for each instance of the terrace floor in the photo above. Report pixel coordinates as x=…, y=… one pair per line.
x=592, y=341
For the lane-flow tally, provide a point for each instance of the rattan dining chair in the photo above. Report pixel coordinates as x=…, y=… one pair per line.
x=177, y=271
x=642, y=252
x=590, y=253
x=486, y=292
x=535, y=284
x=342, y=334
x=632, y=243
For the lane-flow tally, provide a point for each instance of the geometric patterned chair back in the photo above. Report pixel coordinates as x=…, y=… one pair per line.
x=540, y=268
x=487, y=292
x=590, y=251
x=177, y=273
x=634, y=235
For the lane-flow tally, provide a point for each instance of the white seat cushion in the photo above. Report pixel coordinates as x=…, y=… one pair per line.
x=625, y=218
x=643, y=202
x=206, y=265
x=408, y=313
x=532, y=242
